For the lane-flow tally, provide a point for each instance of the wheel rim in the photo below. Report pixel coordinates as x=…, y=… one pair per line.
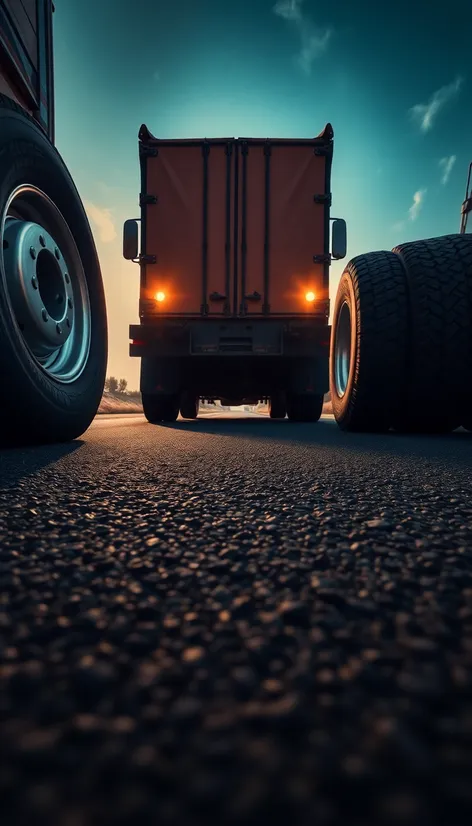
x=45, y=283
x=342, y=350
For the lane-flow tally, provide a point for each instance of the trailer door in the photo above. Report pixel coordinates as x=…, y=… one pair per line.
x=283, y=212
x=188, y=210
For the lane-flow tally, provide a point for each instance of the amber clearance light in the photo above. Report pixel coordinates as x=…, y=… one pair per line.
x=310, y=296
x=160, y=297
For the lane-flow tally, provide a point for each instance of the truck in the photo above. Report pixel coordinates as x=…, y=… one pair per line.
x=401, y=344
x=53, y=324
x=234, y=242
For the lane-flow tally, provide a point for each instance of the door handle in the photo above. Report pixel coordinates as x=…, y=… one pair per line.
x=217, y=297
x=255, y=296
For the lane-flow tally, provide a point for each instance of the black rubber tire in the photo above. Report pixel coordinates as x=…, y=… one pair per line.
x=35, y=408
x=439, y=272
x=375, y=290
x=158, y=409
x=304, y=408
x=189, y=406
x=461, y=244
x=278, y=406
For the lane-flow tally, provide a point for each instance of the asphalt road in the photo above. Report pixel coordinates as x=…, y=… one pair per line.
x=236, y=621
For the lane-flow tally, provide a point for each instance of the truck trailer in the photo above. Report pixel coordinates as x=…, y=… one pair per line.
x=234, y=246
x=53, y=326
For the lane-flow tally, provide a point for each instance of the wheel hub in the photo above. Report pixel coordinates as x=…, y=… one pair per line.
x=39, y=286
x=342, y=350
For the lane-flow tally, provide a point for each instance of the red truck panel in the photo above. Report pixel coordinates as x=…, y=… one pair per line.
x=26, y=26
x=295, y=232
x=236, y=227
x=175, y=226
x=26, y=58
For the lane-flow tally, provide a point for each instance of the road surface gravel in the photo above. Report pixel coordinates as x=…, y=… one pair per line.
x=236, y=621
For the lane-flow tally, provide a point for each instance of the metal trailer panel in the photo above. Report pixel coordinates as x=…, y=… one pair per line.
x=188, y=227
x=283, y=227
x=26, y=58
x=235, y=227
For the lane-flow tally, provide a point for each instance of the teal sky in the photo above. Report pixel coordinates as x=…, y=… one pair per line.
x=392, y=78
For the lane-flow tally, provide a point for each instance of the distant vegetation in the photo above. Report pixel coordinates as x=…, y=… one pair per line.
x=119, y=387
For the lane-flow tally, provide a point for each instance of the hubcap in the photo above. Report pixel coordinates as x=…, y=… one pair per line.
x=342, y=350
x=45, y=284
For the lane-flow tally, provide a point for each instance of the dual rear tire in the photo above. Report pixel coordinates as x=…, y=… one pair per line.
x=401, y=347
x=165, y=408
x=298, y=408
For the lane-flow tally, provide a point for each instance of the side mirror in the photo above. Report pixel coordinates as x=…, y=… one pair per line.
x=130, y=240
x=339, y=239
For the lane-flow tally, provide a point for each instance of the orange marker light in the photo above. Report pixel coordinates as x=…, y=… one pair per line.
x=160, y=297
x=310, y=296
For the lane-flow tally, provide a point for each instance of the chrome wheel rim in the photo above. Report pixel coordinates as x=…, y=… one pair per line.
x=45, y=284
x=342, y=350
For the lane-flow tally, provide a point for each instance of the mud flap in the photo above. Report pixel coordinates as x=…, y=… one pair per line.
x=160, y=376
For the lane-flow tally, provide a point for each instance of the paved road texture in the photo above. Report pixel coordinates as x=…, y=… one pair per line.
x=236, y=621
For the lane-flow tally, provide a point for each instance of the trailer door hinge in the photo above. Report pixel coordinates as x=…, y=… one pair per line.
x=323, y=150
x=322, y=259
x=147, y=199
x=147, y=151
x=323, y=198
x=147, y=259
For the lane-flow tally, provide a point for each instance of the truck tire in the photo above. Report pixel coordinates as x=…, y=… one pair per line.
x=439, y=272
x=304, y=408
x=159, y=409
x=189, y=406
x=369, y=341
x=461, y=244
x=278, y=406
x=53, y=325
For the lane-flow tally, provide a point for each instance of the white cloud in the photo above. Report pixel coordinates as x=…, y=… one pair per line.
x=102, y=220
x=418, y=199
x=289, y=9
x=313, y=40
x=446, y=165
x=425, y=113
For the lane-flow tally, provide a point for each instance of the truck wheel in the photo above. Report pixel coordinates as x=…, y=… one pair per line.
x=159, y=409
x=278, y=406
x=439, y=273
x=304, y=408
x=189, y=406
x=53, y=326
x=368, y=357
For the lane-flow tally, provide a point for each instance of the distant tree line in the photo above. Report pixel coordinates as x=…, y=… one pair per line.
x=114, y=385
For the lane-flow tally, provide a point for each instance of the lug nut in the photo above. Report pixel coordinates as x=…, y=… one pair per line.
x=44, y=315
x=57, y=253
x=33, y=253
x=59, y=298
x=42, y=241
x=58, y=329
x=34, y=283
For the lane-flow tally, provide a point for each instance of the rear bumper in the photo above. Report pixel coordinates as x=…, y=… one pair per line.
x=171, y=338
